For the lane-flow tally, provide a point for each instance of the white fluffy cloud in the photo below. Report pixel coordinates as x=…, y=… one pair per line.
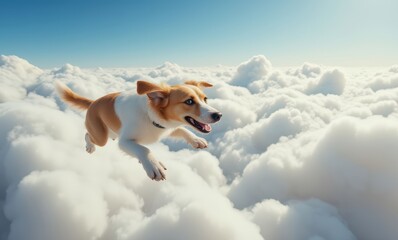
x=394, y=69
x=311, y=219
x=16, y=75
x=285, y=162
x=307, y=70
x=254, y=69
x=384, y=83
x=331, y=82
x=351, y=164
x=56, y=205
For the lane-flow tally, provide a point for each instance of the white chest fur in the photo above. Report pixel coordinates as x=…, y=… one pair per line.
x=132, y=110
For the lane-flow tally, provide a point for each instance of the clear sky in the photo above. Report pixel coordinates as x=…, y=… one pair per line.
x=117, y=33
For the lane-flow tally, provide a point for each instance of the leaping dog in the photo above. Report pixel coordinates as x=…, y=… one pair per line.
x=145, y=116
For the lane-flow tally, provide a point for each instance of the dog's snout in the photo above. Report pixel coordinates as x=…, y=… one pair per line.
x=216, y=116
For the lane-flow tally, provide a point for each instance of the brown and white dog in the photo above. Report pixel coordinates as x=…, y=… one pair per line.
x=145, y=116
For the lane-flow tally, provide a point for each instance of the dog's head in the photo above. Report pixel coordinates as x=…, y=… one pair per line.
x=185, y=104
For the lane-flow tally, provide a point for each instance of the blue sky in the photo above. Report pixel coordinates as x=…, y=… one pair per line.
x=200, y=33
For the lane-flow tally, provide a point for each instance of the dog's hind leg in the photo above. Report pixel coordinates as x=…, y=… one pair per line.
x=97, y=131
x=90, y=147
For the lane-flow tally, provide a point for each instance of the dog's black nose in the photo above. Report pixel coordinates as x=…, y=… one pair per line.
x=216, y=116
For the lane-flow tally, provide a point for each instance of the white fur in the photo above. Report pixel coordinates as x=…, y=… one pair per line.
x=205, y=113
x=136, y=118
x=137, y=130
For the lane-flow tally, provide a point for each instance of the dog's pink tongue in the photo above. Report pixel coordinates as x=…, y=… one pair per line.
x=207, y=127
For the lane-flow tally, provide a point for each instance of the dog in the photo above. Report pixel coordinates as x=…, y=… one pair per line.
x=144, y=116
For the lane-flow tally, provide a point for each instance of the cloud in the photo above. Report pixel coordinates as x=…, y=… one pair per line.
x=394, y=69
x=301, y=153
x=16, y=75
x=254, y=69
x=59, y=216
x=331, y=82
x=55, y=190
x=310, y=219
x=255, y=139
x=384, y=83
x=191, y=222
x=383, y=108
x=307, y=70
x=350, y=165
x=165, y=70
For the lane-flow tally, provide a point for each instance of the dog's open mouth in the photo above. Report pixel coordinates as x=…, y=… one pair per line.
x=202, y=127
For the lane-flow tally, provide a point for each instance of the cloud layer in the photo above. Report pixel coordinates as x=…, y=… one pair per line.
x=301, y=153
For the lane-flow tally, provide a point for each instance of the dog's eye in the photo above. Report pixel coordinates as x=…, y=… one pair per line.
x=205, y=99
x=189, y=102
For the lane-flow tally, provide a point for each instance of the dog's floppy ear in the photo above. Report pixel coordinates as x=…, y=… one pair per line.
x=199, y=84
x=158, y=95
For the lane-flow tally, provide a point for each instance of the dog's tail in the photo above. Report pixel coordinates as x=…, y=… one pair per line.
x=71, y=97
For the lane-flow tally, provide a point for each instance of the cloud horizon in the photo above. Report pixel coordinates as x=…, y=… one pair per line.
x=305, y=152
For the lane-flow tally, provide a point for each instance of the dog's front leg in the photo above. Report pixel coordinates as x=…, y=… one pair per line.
x=154, y=169
x=191, y=138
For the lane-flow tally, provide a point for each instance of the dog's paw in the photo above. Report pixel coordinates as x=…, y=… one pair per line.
x=90, y=148
x=154, y=169
x=198, y=142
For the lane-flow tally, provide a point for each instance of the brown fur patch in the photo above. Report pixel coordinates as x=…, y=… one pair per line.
x=201, y=84
x=100, y=116
x=157, y=94
x=72, y=98
x=144, y=87
x=177, y=109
